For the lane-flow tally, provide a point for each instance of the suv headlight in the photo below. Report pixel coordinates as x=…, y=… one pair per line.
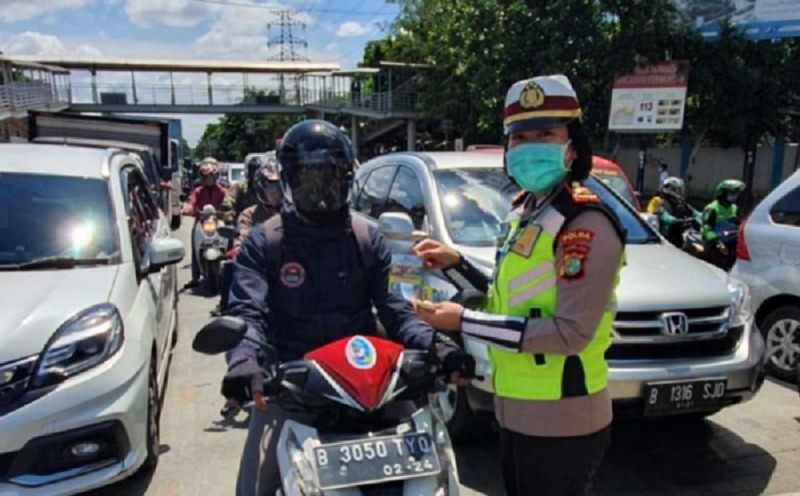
x=740, y=302
x=83, y=342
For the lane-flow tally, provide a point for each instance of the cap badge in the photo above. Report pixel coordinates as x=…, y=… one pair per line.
x=532, y=96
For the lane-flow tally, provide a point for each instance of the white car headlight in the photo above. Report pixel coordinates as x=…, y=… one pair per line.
x=81, y=343
x=740, y=311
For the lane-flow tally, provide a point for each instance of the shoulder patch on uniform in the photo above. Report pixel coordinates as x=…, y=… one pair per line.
x=582, y=194
x=573, y=236
x=572, y=264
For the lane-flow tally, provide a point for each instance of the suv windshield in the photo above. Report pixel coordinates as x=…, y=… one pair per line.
x=476, y=201
x=53, y=216
x=613, y=180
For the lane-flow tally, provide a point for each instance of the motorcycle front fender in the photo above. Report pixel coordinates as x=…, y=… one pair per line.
x=212, y=254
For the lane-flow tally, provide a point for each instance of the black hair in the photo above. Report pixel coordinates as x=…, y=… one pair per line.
x=582, y=164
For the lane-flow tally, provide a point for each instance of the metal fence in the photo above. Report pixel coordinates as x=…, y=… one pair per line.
x=217, y=94
x=23, y=96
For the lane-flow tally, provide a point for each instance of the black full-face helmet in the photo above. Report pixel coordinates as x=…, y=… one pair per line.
x=316, y=162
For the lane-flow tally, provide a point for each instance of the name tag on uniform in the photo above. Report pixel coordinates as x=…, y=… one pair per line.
x=523, y=245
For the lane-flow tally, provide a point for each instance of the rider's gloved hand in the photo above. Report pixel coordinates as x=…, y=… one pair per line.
x=245, y=378
x=457, y=364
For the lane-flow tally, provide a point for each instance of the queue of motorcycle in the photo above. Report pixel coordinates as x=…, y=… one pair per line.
x=209, y=246
x=373, y=430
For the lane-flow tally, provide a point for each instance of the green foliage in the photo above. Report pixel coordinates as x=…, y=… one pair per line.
x=478, y=48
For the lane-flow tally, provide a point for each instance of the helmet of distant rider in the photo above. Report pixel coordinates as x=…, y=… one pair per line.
x=251, y=166
x=728, y=191
x=315, y=163
x=673, y=186
x=268, y=185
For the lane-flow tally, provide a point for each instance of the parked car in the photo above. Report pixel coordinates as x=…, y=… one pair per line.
x=232, y=174
x=680, y=322
x=768, y=260
x=614, y=177
x=90, y=317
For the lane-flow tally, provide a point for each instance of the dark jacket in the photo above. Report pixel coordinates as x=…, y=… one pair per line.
x=321, y=291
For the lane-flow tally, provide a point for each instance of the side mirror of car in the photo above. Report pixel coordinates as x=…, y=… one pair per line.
x=164, y=252
x=398, y=226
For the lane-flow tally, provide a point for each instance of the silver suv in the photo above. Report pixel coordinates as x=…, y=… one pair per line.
x=683, y=338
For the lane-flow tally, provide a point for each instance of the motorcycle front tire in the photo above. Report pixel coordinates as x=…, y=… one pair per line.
x=212, y=276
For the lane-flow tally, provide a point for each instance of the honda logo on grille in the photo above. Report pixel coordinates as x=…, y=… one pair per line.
x=675, y=324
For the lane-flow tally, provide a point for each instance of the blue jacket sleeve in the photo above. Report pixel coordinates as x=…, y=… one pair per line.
x=395, y=313
x=248, y=294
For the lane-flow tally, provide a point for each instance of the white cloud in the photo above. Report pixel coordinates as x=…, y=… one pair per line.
x=182, y=13
x=352, y=28
x=18, y=10
x=241, y=32
x=40, y=44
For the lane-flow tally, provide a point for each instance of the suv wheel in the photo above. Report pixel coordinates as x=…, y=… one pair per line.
x=781, y=329
x=462, y=422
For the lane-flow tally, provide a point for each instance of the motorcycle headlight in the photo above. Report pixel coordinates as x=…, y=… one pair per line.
x=209, y=226
x=83, y=342
x=740, y=311
x=303, y=469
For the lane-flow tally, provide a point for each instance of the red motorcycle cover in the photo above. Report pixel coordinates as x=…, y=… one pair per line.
x=361, y=365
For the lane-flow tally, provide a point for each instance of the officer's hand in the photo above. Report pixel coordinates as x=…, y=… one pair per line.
x=459, y=366
x=445, y=316
x=722, y=248
x=244, y=380
x=435, y=255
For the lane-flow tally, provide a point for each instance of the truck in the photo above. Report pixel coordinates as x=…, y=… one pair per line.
x=150, y=139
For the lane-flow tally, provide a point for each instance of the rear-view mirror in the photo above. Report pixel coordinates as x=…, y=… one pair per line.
x=228, y=232
x=163, y=252
x=220, y=335
x=399, y=226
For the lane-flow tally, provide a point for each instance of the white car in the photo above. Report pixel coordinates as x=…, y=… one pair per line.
x=88, y=277
x=681, y=324
x=768, y=260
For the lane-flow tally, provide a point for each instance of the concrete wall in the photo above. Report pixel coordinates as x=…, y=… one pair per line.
x=712, y=166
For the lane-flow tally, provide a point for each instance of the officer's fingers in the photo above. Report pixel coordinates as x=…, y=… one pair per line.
x=259, y=401
x=425, y=245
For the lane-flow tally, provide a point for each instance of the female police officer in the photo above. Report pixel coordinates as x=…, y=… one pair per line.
x=550, y=307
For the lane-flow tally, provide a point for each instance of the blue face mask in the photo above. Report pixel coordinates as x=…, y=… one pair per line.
x=537, y=167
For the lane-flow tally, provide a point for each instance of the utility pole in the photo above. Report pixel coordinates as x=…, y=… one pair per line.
x=286, y=40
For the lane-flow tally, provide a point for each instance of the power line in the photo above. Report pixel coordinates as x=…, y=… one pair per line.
x=278, y=9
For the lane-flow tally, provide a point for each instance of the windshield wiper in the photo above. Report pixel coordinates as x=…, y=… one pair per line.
x=57, y=262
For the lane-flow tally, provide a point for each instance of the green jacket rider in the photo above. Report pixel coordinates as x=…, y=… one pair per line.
x=723, y=208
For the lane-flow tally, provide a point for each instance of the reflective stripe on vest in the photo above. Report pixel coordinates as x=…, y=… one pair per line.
x=526, y=287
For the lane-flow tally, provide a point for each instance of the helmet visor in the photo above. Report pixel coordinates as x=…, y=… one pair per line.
x=319, y=189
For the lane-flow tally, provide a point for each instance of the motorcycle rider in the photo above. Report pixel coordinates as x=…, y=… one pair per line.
x=208, y=193
x=720, y=211
x=242, y=194
x=267, y=188
x=675, y=215
x=308, y=277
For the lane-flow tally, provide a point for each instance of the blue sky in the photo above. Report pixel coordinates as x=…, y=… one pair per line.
x=336, y=30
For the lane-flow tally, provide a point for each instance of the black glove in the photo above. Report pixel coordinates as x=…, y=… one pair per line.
x=244, y=377
x=459, y=361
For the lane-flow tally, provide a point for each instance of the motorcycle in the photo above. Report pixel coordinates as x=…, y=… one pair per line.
x=695, y=245
x=374, y=431
x=209, y=246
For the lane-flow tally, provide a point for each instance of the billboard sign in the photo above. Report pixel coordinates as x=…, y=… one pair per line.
x=757, y=19
x=650, y=100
